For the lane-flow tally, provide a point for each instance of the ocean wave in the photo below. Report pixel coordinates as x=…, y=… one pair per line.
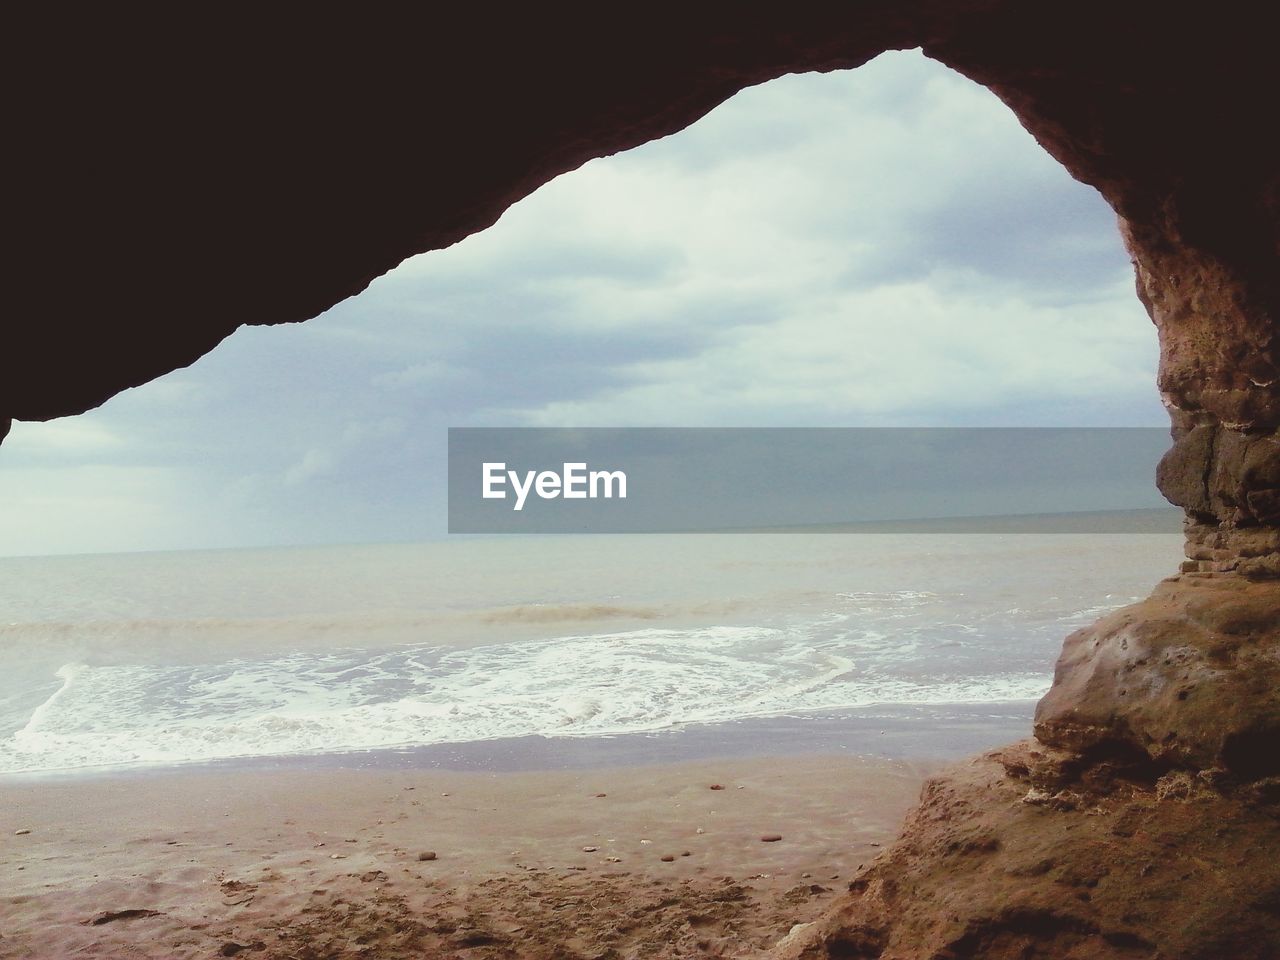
x=585, y=685
x=561, y=613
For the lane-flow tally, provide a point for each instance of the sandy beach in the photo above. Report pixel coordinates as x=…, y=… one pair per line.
x=646, y=861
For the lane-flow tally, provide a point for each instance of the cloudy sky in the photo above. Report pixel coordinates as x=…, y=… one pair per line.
x=882, y=247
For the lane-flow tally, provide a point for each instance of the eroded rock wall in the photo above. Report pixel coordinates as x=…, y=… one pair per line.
x=1219, y=376
x=1026, y=854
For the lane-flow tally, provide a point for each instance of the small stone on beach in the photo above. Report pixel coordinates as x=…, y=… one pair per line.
x=590, y=849
x=668, y=858
x=771, y=838
x=717, y=786
x=20, y=833
x=427, y=855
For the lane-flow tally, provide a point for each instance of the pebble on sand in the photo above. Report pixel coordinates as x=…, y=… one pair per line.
x=590, y=849
x=667, y=858
x=427, y=855
x=717, y=786
x=771, y=838
x=21, y=833
x=232, y=949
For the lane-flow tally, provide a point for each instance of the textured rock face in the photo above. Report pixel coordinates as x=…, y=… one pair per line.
x=259, y=173
x=1142, y=824
x=1023, y=854
x=1228, y=481
x=1187, y=679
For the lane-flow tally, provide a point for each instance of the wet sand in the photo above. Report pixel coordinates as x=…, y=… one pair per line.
x=333, y=862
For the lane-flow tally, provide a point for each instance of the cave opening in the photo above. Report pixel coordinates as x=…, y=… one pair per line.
x=881, y=247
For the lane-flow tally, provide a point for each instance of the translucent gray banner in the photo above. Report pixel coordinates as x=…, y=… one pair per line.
x=869, y=480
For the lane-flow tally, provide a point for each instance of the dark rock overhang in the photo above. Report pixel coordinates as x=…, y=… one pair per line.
x=178, y=176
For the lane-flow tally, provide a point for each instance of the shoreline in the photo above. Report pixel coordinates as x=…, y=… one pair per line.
x=924, y=732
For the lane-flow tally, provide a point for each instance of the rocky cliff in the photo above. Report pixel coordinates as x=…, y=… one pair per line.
x=1140, y=823
x=174, y=182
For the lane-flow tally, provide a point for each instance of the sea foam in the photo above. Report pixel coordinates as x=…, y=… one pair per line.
x=593, y=685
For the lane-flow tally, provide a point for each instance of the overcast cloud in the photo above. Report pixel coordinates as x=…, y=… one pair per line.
x=880, y=247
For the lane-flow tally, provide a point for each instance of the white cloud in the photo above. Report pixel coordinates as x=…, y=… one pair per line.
x=91, y=508
x=893, y=355
x=72, y=438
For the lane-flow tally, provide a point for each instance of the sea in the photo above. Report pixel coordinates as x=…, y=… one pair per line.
x=538, y=648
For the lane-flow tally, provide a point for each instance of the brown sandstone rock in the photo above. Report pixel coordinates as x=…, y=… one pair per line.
x=1012, y=856
x=1189, y=677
